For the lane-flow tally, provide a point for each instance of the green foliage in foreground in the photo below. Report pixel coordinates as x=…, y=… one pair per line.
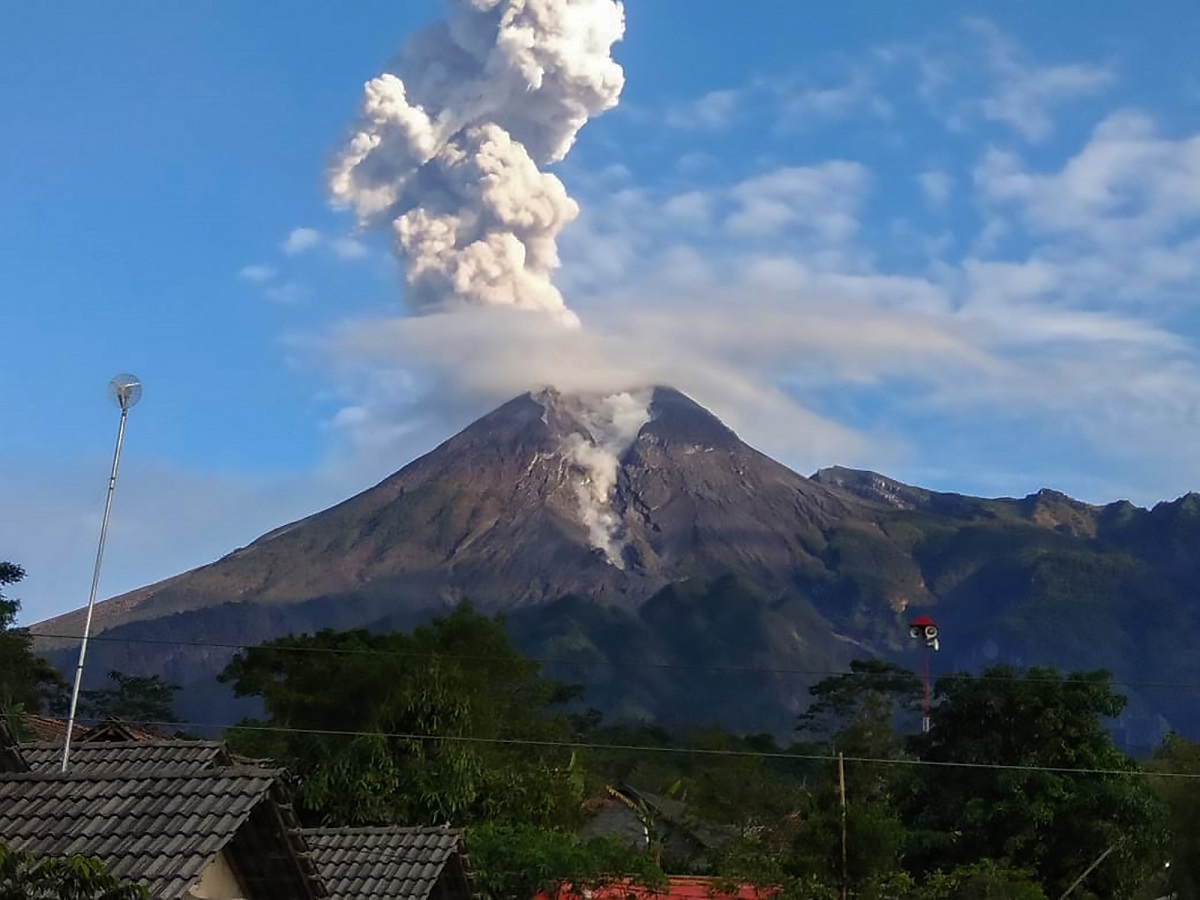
x=411, y=728
x=23, y=877
x=449, y=723
x=521, y=860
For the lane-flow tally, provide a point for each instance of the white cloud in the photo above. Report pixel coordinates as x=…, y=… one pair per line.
x=822, y=200
x=1025, y=93
x=300, y=240
x=713, y=111
x=801, y=102
x=349, y=248
x=1128, y=184
x=258, y=273
x=978, y=72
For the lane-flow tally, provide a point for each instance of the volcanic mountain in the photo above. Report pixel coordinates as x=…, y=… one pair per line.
x=498, y=514
x=681, y=574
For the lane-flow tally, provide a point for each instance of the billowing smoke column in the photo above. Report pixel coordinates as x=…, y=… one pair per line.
x=450, y=137
x=613, y=424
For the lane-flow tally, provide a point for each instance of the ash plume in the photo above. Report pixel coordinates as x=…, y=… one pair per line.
x=612, y=424
x=447, y=149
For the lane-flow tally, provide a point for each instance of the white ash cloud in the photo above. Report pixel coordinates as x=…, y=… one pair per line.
x=447, y=148
x=612, y=424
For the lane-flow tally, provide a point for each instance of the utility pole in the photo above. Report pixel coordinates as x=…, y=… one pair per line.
x=842, y=793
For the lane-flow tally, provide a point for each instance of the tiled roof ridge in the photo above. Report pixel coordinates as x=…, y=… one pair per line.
x=383, y=829
x=119, y=772
x=100, y=746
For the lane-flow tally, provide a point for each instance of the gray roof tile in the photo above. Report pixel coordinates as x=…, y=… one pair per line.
x=159, y=812
x=129, y=757
x=127, y=821
x=390, y=862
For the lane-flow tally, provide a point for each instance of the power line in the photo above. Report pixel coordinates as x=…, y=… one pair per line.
x=693, y=751
x=611, y=664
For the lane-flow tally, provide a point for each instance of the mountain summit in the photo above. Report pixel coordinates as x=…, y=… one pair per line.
x=609, y=497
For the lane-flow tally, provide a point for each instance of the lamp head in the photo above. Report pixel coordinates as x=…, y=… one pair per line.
x=125, y=390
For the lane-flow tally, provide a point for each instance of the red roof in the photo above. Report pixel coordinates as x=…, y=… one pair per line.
x=922, y=621
x=48, y=730
x=678, y=888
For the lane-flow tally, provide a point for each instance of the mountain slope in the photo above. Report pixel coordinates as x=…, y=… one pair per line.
x=638, y=534
x=494, y=514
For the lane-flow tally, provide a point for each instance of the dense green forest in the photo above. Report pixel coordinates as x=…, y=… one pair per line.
x=1017, y=789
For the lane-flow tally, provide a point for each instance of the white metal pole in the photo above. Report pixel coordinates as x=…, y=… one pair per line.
x=87, y=624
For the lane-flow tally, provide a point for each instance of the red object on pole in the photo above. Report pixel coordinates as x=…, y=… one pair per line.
x=924, y=629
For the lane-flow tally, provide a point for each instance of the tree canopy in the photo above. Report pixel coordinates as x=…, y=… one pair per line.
x=135, y=698
x=25, y=678
x=411, y=728
x=25, y=877
x=1019, y=768
x=1017, y=791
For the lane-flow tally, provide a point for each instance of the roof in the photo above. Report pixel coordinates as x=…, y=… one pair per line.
x=673, y=812
x=11, y=758
x=130, y=758
x=45, y=728
x=159, y=813
x=389, y=862
x=114, y=729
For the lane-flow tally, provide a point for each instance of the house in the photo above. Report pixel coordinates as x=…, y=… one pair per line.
x=393, y=862
x=184, y=818
x=115, y=729
x=663, y=825
x=46, y=728
x=189, y=819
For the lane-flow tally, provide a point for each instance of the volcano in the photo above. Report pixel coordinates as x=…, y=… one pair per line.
x=495, y=515
x=696, y=578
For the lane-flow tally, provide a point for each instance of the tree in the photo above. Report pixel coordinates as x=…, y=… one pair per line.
x=25, y=678
x=1179, y=756
x=1000, y=745
x=135, y=698
x=856, y=714
x=984, y=880
x=521, y=861
x=22, y=877
x=431, y=726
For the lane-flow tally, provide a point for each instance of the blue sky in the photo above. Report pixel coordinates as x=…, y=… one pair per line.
x=957, y=243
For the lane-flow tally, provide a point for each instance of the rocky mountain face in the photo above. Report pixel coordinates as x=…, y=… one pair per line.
x=679, y=574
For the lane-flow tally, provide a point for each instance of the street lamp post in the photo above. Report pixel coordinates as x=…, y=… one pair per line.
x=126, y=391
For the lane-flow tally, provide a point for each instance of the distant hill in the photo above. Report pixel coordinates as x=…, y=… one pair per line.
x=648, y=541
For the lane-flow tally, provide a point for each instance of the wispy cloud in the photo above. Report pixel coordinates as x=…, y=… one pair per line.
x=348, y=248
x=300, y=240
x=802, y=102
x=936, y=185
x=1026, y=93
x=258, y=273
x=712, y=111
